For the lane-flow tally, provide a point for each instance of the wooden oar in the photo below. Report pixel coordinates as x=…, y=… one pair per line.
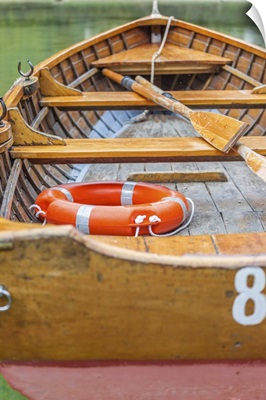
x=254, y=161
x=220, y=131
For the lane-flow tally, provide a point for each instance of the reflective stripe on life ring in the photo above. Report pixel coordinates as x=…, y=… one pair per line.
x=83, y=218
x=127, y=193
x=114, y=208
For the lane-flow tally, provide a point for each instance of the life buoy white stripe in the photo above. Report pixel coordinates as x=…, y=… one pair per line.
x=66, y=193
x=127, y=193
x=83, y=218
x=181, y=203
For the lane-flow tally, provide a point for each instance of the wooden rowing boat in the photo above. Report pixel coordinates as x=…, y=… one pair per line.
x=136, y=317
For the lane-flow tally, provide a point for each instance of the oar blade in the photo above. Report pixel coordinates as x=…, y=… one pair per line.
x=254, y=161
x=221, y=131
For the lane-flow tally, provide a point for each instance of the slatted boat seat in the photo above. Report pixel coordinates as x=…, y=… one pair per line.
x=131, y=100
x=173, y=59
x=132, y=150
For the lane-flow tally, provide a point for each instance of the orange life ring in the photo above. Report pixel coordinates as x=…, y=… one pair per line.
x=113, y=208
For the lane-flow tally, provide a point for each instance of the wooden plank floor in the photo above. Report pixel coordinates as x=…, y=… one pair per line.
x=238, y=205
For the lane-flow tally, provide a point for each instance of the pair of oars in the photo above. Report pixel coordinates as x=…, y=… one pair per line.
x=221, y=131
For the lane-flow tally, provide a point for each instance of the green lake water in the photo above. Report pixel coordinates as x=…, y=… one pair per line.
x=37, y=30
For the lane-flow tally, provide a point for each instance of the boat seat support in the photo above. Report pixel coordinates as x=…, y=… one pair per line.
x=24, y=134
x=49, y=86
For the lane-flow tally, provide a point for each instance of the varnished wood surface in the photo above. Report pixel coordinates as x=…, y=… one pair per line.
x=127, y=100
x=23, y=133
x=132, y=150
x=50, y=87
x=5, y=132
x=172, y=58
x=220, y=130
x=140, y=381
x=77, y=298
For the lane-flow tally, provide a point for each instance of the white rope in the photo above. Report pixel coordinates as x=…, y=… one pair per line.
x=160, y=49
x=180, y=228
x=154, y=218
x=138, y=220
x=38, y=212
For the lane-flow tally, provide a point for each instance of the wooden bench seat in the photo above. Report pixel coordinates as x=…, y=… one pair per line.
x=173, y=59
x=132, y=150
x=131, y=100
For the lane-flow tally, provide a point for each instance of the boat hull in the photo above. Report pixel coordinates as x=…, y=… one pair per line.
x=139, y=381
x=107, y=317
x=84, y=298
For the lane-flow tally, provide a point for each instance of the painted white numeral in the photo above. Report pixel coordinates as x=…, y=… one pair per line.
x=249, y=293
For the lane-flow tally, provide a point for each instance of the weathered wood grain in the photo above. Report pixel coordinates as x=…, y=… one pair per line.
x=77, y=298
x=131, y=150
x=130, y=100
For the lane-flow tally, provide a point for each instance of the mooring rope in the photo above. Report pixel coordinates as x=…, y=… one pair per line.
x=161, y=48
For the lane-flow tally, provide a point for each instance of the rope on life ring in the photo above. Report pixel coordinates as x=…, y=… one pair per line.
x=115, y=208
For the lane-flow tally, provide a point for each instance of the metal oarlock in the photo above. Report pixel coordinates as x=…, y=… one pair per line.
x=4, y=111
x=29, y=73
x=30, y=83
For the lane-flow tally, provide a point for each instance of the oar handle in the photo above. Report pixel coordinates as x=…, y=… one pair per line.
x=255, y=161
x=148, y=84
x=149, y=93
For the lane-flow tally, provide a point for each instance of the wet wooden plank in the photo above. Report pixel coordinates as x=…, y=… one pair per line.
x=125, y=170
x=100, y=172
x=227, y=196
x=241, y=221
x=209, y=222
x=200, y=195
x=252, y=188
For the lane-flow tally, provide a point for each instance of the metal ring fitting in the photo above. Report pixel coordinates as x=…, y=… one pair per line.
x=4, y=111
x=5, y=292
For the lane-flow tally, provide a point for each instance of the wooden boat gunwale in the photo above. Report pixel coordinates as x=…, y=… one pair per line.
x=110, y=249
x=151, y=20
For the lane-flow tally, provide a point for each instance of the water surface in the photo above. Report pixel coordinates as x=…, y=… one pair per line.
x=36, y=31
